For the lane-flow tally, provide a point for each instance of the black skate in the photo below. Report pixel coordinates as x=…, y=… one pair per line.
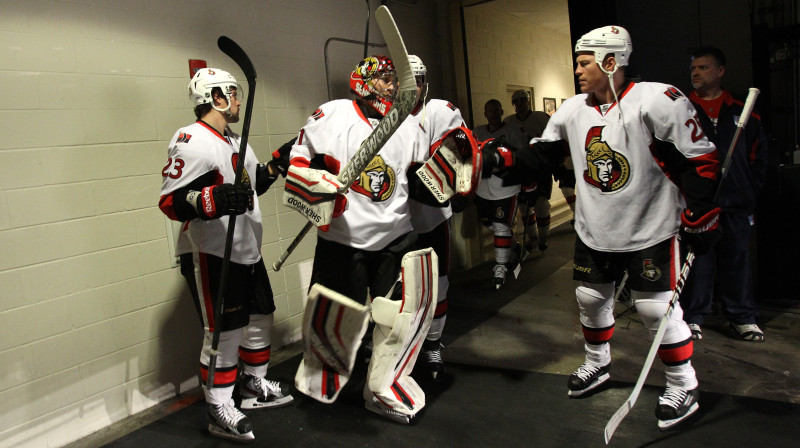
x=675, y=406
x=262, y=393
x=587, y=377
x=432, y=355
x=228, y=422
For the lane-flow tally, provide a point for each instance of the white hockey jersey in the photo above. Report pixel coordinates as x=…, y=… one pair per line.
x=194, y=151
x=492, y=187
x=435, y=119
x=625, y=199
x=377, y=210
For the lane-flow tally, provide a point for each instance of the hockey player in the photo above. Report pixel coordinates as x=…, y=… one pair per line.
x=361, y=249
x=197, y=190
x=437, y=118
x=647, y=174
x=497, y=196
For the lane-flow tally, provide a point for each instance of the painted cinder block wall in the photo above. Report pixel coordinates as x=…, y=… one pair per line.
x=96, y=323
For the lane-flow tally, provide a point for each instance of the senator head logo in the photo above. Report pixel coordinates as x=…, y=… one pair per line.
x=377, y=181
x=606, y=169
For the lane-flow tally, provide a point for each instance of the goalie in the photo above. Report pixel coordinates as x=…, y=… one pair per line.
x=364, y=243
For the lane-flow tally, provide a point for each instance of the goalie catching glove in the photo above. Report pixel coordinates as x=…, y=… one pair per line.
x=700, y=233
x=498, y=155
x=454, y=167
x=315, y=194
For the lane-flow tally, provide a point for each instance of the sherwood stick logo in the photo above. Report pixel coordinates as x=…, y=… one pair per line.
x=372, y=145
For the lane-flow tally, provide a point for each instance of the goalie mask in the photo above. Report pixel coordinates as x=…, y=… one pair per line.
x=364, y=78
x=612, y=39
x=205, y=80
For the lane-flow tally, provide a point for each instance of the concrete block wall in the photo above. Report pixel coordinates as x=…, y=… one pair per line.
x=96, y=323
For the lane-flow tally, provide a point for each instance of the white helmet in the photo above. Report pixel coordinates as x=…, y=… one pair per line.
x=417, y=67
x=608, y=39
x=206, y=79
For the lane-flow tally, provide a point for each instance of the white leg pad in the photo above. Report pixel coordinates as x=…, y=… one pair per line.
x=596, y=304
x=333, y=326
x=400, y=329
x=652, y=306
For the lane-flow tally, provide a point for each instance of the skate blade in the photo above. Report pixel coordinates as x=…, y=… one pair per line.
x=215, y=430
x=517, y=270
x=257, y=403
x=600, y=380
x=667, y=424
x=380, y=410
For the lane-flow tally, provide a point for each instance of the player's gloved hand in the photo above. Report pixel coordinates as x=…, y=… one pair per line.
x=224, y=199
x=700, y=233
x=497, y=156
x=317, y=194
x=280, y=158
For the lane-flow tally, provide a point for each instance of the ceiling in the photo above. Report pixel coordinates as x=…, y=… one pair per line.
x=552, y=14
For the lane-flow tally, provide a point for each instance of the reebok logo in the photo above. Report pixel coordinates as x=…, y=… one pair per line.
x=208, y=202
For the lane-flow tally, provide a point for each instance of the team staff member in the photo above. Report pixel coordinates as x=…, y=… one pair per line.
x=197, y=190
x=646, y=173
x=719, y=111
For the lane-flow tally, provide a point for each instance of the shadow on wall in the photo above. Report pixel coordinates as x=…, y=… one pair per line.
x=179, y=351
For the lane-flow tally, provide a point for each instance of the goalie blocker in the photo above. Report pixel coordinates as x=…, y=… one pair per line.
x=315, y=194
x=334, y=325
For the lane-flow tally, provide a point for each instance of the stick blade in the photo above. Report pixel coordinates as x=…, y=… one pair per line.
x=616, y=419
x=235, y=52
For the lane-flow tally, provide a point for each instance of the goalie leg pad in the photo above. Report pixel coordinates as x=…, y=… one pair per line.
x=400, y=329
x=333, y=326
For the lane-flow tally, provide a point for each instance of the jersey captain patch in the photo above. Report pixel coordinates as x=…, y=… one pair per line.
x=377, y=181
x=607, y=170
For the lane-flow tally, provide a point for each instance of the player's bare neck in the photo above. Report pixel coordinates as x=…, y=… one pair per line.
x=216, y=120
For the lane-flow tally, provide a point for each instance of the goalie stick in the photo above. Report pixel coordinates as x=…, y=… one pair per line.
x=622, y=412
x=235, y=52
x=401, y=107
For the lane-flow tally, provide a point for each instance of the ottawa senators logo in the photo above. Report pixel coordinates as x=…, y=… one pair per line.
x=607, y=169
x=235, y=163
x=650, y=271
x=377, y=181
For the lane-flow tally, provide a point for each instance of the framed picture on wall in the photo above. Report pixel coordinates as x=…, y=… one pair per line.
x=549, y=105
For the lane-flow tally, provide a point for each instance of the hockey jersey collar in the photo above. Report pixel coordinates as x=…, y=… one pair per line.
x=625, y=89
x=213, y=131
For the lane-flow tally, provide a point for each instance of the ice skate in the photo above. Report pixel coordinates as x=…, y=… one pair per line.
x=260, y=393
x=228, y=422
x=587, y=377
x=432, y=355
x=676, y=405
x=499, y=275
x=372, y=404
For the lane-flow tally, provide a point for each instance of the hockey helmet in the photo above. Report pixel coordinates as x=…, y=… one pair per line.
x=206, y=79
x=606, y=40
x=417, y=67
x=366, y=75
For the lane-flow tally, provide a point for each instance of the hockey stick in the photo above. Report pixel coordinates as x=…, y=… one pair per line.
x=401, y=107
x=618, y=416
x=746, y=111
x=616, y=419
x=235, y=52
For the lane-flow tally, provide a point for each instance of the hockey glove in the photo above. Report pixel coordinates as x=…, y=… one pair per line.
x=220, y=200
x=315, y=194
x=497, y=156
x=454, y=166
x=700, y=233
x=280, y=157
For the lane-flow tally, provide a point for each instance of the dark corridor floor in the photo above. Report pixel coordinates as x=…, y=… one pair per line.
x=508, y=356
